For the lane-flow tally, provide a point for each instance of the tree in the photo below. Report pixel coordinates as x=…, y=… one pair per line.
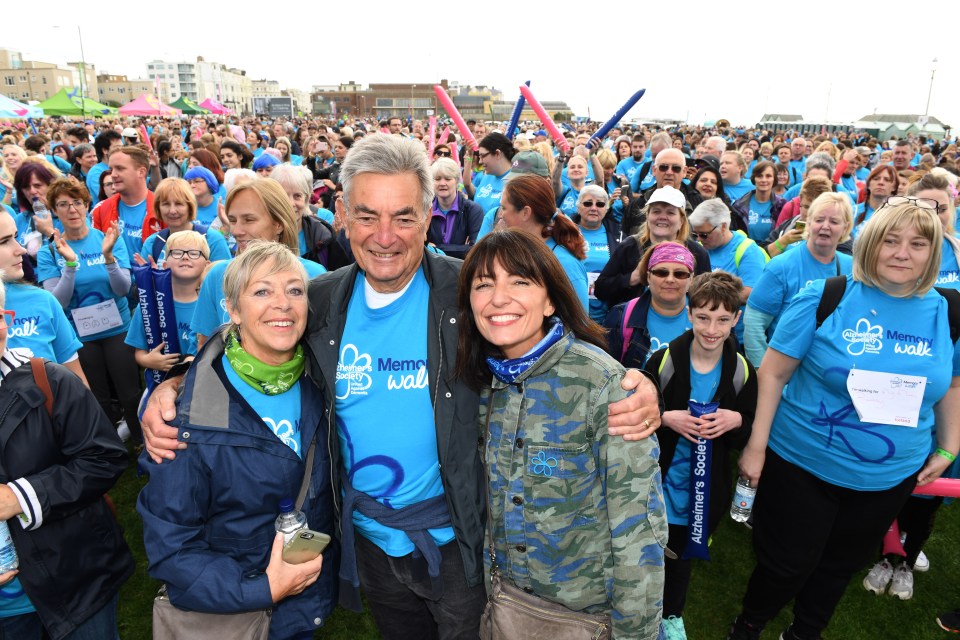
x=563, y=116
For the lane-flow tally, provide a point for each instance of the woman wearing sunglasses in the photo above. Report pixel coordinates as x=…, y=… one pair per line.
x=643, y=325
x=846, y=414
x=601, y=232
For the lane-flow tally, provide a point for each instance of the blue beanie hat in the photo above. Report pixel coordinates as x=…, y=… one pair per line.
x=206, y=174
x=265, y=161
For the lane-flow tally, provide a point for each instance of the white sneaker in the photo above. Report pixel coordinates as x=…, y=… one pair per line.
x=123, y=430
x=879, y=577
x=922, y=564
x=673, y=628
x=901, y=586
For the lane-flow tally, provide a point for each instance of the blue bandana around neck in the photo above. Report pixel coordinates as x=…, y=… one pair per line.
x=507, y=371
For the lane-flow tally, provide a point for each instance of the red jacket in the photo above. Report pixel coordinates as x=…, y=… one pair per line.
x=109, y=210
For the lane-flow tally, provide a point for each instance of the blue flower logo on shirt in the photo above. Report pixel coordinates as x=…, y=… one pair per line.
x=864, y=339
x=544, y=465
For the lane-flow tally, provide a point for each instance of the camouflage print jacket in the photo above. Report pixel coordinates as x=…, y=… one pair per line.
x=577, y=516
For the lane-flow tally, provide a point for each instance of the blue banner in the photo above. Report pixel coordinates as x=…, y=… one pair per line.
x=166, y=312
x=701, y=466
x=143, y=277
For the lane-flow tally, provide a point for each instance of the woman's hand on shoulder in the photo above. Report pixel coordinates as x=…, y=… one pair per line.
x=289, y=579
x=637, y=416
x=683, y=423
x=716, y=424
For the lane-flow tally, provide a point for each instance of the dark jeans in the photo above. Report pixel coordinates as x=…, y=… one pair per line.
x=398, y=593
x=100, y=626
x=676, y=573
x=916, y=519
x=111, y=360
x=810, y=537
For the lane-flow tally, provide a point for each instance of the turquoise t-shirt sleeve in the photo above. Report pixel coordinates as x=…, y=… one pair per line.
x=207, y=314
x=314, y=269
x=768, y=293
x=797, y=326
x=65, y=340
x=147, y=249
x=218, y=246
x=751, y=266
x=136, y=337
x=325, y=214
x=489, y=218
x=47, y=266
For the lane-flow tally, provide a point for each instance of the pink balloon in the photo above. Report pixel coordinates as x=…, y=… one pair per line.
x=457, y=118
x=545, y=118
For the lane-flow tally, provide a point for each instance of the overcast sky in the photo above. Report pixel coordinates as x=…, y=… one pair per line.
x=698, y=60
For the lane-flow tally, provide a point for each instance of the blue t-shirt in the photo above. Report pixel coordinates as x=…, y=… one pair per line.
x=211, y=309
x=575, y=269
x=93, y=180
x=676, y=486
x=631, y=169
x=137, y=337
x=207, y=214
x=751, y=265
x=816, y=426
x=280, y=412
x=759, y=221
x=567, y=202
x=215, y=241
x=949, y=269
x=598, y=254
x=91, y=282
x=489, y=220
x=737, y=191
x=489, y=188
x=130, y=223
x=379, y=380
x=13, y=600
x=787, y=274
x=616, y=210
x=24, y=227
x=663, y=329
x=40, y=324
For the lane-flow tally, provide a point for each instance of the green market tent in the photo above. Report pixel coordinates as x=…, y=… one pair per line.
x=188, y=106
x=67, y=103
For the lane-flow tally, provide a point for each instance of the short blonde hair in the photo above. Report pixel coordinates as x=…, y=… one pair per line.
x=177, y=190
x=274, y=199
x=607, y=159
x=241, y=269
x=188, y=240
x=840, y=202
x=885, y=220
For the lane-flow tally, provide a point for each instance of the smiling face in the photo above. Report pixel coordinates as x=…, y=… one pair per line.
x=707, y=185
x=902, y=260
x=509, y=310
x=712, y=327
x=11, y=158
x=250, y=220
x=386, y=228
x=765, y=179
x=592, y=211
x=184, y=267
x=87, y=160
x=229, y=159
x=663, y=221
x=665, y=288
x=271, y=314
x=11, y=251
x=577, y=168
x=175, y=214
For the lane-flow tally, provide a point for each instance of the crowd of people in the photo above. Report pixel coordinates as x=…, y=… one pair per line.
x=511, y=361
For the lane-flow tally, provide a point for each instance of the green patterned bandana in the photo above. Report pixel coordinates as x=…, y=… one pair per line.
x=268, y=379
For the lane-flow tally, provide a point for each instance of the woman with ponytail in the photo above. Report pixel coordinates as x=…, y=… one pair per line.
x=528, y=203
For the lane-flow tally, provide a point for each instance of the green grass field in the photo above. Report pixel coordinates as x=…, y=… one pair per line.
x=713, y=601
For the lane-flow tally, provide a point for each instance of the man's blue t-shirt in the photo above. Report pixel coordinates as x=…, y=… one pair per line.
x=91, y=282
x=39, y=324
x=751, y=265
x=385, y=420
x=631, y=169
x=816, y=426
x=787, y=274
x=130, y=223
x=280, y=412
x=676, y=486
x=137, y=337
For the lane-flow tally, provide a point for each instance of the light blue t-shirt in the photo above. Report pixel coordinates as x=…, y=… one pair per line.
x=280, y=412
x=631, y=169
x=759, y=221
x=949, y=276
x=137, y=338
x=787, y=274
x=13, y=600
x=91, y=282
x=24, y=227
x=737, y=191
x=40, y=324
x=598, y=254
x=751, y=265
x=385, y=420
x=567, y=202
x=206, y=215
x=663, y=329
x=489, y=188
x=211, y=309
x=816, y=426
x=215, y=241
x=130, y=223
x=676, y=486
x=93, y=180
x=575, y=269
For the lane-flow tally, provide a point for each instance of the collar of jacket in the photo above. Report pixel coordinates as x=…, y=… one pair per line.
x=546, y=362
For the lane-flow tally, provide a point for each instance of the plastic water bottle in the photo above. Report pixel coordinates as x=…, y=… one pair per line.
x=742, y=503
x=40, y=210
x=290, y=520
x=8, y=554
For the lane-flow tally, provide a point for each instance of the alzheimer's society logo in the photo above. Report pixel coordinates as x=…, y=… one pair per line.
x=866, y=338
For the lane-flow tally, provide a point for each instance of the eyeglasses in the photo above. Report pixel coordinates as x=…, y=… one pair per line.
x=443, y=154
x=923, y=203
x=600, y=204
x=701, y=235
x=676, y=168
x=197, y=181
x=483, y=155
x=8, y=317
x=665, y=273
x=76, y=204
x=193, y=254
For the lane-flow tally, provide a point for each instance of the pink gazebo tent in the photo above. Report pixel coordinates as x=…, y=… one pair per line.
x=215, y=107
x=147, y=105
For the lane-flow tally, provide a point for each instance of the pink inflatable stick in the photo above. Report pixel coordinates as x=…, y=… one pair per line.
x=545, y=118
x=946, y=487
x=433, y=134
x=457, y=118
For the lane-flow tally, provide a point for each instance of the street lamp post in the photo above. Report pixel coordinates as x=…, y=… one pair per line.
x=933, y=72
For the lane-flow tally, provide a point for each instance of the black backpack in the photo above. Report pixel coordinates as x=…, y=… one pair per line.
x=163, y=234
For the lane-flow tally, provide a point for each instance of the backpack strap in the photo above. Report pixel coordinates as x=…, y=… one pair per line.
x=833, y=290
x=953, y=310
x=666, y=370
x=625, y=331
x=742, y=249
x=741, y=374
x=40, y=377
x=159, y=244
